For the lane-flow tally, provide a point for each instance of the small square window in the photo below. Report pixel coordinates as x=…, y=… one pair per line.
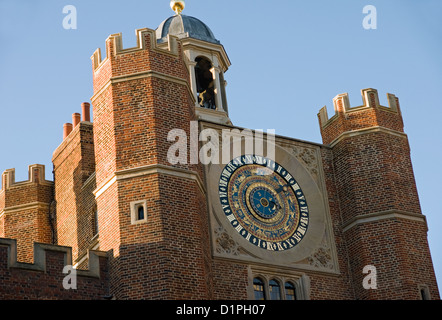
x=138, y=212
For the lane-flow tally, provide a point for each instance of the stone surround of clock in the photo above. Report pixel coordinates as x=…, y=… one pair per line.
x=295, y=255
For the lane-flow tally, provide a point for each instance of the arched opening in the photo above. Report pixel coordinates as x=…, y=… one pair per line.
x=290, y=293
x=425, y=293
x=205, y=83
x=275, y=290
x=258, y=288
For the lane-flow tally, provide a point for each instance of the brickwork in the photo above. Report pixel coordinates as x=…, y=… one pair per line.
x=24, y=210
x=2, y=226
x=375, y=175
x=146, y=96
x=398, y=249
x=230, y=281
x=330, y=287
x=382, y=222
x=371, y=114
x=74, y=164
x=44, y=280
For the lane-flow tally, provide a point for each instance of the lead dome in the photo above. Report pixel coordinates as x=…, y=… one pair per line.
x=184, y=26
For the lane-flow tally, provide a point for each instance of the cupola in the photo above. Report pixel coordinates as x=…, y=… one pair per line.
x=206, y=60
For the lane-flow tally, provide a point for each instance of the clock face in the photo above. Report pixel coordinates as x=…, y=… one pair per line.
x=263, y=202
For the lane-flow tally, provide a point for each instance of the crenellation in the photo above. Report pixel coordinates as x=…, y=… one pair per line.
x=370, y=99
x=36, y=174
x=45, y=277
x=146, y=39
x=40, y=252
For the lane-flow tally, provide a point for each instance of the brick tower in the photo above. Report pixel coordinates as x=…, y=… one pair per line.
x=140, y=95
x=382, y=220
x=24, y=210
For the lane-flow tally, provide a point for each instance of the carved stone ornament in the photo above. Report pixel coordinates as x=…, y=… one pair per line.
x=322, y=258
x=224, y=243
x=308, y=157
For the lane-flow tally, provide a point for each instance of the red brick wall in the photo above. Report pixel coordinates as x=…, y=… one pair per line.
x=74, y=163
x=374, y=176
x=132, y=119
x=86, y=218
x=170, y=251
x=26, y=213
x=23, y=282
x=230, y=280
x=27, y=226
x=398, y=248
x=104, y=138
x=2, y=226
x=333, y=287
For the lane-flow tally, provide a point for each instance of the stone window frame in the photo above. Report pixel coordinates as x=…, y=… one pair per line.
x=134, y=206
x=424, y=292
x=300, y=283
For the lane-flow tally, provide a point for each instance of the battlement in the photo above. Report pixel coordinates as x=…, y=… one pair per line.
x=371, y=114
x=36, y=174
x=24, y=209
x=40, y=252
x=146, y=39
x=370, y=99
x=43, y=279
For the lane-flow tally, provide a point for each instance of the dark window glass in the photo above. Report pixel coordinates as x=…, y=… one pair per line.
x=424, y=295
x=290, y=293
x=258, y=287
x=141, y=213
x=275, y=290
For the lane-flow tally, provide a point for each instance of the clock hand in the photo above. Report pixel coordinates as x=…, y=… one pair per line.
x=283, y=188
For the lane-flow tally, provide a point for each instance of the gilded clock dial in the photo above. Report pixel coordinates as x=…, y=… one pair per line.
x=263, y=202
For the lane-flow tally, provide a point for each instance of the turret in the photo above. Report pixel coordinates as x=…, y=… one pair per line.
x=206, y=61
x=148, y=207
x=25, y=210
x=381, y=215
x=371, y=114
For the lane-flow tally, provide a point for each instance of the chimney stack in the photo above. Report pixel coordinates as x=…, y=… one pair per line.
x=76, y=119
x=67, y=129
x=86, y=110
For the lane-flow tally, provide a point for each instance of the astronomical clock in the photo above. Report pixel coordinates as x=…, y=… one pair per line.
x=272, y=209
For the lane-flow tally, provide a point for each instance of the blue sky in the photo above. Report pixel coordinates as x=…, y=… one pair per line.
x=289, y=59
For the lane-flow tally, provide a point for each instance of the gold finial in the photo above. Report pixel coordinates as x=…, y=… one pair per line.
x=177, y=6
